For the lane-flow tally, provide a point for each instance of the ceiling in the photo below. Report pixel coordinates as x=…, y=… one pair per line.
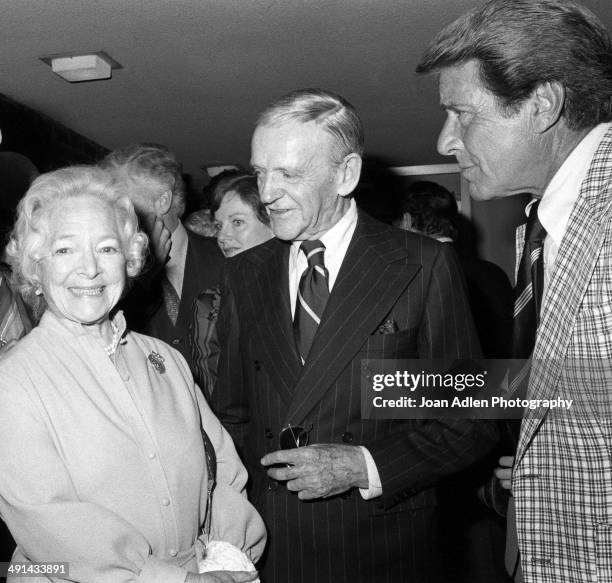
x=197, y=72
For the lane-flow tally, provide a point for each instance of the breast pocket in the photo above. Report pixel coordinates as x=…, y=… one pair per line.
x=395, y=345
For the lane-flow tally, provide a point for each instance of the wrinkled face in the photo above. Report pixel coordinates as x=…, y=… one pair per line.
x=497, y=152
x=237, y=226
x=83, y=272
x=297, y=179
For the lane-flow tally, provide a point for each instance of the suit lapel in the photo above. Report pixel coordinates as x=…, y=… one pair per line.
x=572, y=275
x=371, y=279
x=274, y=330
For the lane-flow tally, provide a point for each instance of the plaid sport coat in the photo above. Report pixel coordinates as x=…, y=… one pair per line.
x=562, y=479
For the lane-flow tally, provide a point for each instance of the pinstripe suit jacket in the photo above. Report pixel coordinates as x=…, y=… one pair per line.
x=562, y=479
x=386, y=274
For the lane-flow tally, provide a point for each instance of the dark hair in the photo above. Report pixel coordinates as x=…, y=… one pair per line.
x=244, y=185
x=432, y=208
x=330, y=110
x=150, y=160
x=520, y=44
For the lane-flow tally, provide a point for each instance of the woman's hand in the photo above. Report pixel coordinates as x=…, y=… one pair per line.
x=222, y=577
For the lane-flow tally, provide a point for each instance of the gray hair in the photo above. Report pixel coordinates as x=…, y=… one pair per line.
x=31, y=231
x=520, y=44
x=334, y=113
x=149, y=160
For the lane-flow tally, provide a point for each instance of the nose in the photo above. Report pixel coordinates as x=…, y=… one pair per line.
x=449, y=140
x=268, y=193
x=89, y=264
x=223, y=233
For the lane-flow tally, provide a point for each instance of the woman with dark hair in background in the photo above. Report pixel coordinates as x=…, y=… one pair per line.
x=241, y=222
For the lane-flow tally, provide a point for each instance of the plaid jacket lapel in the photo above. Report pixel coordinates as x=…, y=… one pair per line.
x=566, y=291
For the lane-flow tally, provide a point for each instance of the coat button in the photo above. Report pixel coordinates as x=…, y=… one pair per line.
x=257, y=365
x=175, y=341
x=268, y=433
x=173, y=552
x=347, y=437
x=165, y=502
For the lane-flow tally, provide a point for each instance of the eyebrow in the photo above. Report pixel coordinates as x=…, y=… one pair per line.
x=72, y=236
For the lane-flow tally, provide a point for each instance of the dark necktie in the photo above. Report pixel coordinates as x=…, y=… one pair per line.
x=527, y=304
x=171, y=299
x=528, y=297
x=313, y=293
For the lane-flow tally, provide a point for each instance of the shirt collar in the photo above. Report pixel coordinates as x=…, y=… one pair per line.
x=563, y=190
x=178, y=251
x=338, y=234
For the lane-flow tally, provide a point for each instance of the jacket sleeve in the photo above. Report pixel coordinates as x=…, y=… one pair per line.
x=230, y=400
x=234, y=519
x=419, y=453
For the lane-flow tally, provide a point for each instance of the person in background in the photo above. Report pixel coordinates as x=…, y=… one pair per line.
x=162, y=302
x=240, y=218
x=16, y=174
x=241, y=222
x=527, y=90
x=108, y=447
x=345, y=498
x=429, y=208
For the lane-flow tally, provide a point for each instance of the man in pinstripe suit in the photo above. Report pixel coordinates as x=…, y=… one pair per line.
x=527, y=86
x=358, y=502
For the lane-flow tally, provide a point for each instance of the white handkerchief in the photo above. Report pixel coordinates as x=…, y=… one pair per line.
x=223, y=556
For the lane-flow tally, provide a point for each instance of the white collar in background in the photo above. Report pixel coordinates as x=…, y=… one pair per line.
x=175, y=267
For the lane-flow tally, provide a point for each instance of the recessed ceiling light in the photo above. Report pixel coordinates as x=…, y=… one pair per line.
x=76, y=68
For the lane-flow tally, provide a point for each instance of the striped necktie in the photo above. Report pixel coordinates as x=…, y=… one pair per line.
x=313, y=293
x=527, y=304
x=528, y=296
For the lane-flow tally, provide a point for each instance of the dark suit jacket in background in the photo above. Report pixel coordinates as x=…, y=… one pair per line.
x=144, y=306
x=387, y=274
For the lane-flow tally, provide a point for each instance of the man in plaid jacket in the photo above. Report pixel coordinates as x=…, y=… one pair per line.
x=527, y=88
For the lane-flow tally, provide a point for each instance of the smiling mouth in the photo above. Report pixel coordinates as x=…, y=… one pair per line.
x=87, y=291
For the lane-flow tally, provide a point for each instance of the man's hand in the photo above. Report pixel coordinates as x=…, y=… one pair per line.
x=320, y=470
x=159, y=238
x=504, y=472
x=222, y=577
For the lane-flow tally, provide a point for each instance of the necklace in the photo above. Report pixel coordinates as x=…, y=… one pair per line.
x=110, y=348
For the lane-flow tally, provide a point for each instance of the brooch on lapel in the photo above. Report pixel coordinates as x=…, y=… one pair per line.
x=387, y=327
x=157, y=360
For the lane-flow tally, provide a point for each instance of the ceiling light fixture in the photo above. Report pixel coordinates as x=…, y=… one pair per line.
x=76, y=68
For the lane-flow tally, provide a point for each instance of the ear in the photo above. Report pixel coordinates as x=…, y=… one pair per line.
x=349, y=173
x=163, y=203
x=548, y=101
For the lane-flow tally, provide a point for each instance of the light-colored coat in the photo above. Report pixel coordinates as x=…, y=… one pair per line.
x=562, y=480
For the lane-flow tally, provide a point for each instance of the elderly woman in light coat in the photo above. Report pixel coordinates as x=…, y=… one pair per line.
x=103, y=433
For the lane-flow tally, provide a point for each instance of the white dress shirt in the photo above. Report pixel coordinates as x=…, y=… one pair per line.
x=175, y=267
x=336, y=242
x=562, y=193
